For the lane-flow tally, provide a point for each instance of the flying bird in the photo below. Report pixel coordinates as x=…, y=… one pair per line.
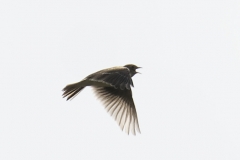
x=113, y=87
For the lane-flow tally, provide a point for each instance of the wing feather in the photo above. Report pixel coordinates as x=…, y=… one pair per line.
x=119, y=103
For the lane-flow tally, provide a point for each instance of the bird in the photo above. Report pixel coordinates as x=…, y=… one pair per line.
x=112, y=86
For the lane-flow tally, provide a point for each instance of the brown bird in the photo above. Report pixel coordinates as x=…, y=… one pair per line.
x=113, y=87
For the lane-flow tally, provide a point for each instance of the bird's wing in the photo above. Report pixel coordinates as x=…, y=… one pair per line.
x=119, y=103
x=117, y=77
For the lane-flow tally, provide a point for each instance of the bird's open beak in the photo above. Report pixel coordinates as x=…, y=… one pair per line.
x=138, y=68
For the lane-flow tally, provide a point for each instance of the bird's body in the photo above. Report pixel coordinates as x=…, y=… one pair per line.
x=112, y=86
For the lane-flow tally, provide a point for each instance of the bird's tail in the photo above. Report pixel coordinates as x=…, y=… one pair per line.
x=72, y=90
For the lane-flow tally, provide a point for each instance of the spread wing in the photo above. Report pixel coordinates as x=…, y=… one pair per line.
x=117, y=77
x=119, y=103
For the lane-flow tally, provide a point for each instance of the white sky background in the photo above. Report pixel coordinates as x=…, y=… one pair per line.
x=187, y=97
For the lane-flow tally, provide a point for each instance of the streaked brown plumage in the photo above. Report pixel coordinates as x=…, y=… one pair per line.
x=113, y=87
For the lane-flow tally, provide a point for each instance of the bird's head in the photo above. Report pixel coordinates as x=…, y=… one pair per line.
x=132, y=68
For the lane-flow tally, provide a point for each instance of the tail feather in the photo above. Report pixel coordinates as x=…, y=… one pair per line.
x=72, y=90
